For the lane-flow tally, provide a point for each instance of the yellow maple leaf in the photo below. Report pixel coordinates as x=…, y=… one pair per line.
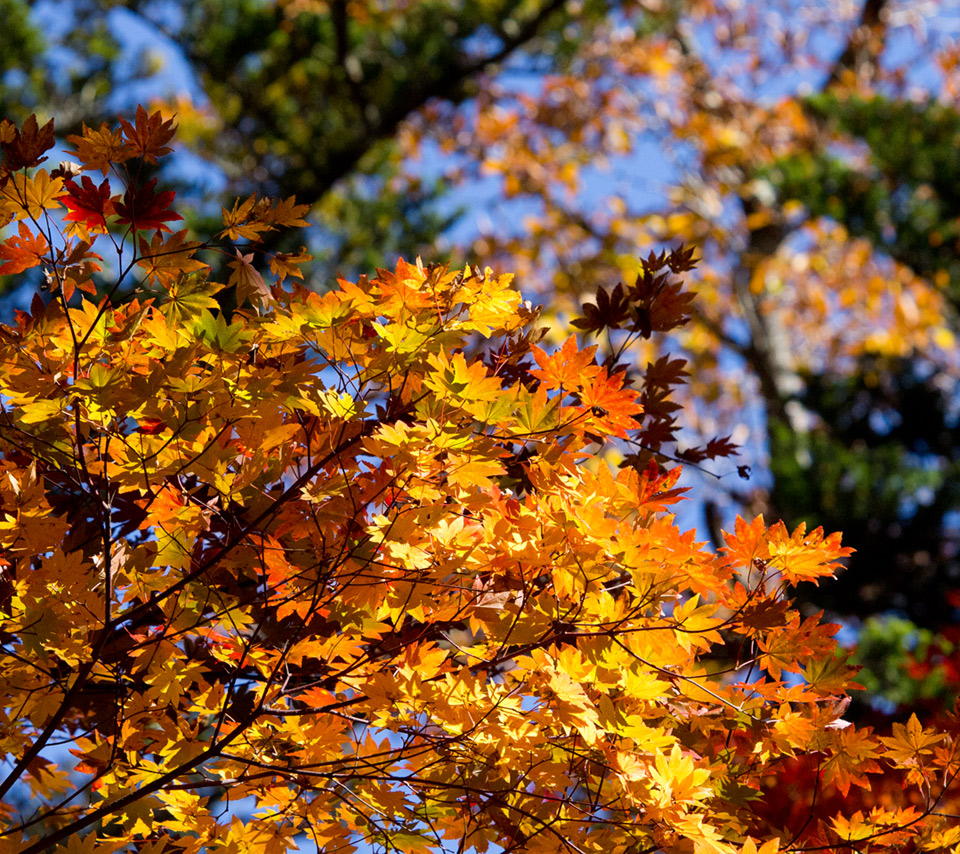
x=23, y=197
x=910, y=742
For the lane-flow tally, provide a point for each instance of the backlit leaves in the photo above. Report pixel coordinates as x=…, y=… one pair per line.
x=187, y=296
x=147, y=136
x=23, y=251
x=356, y=557
x=25, y=146
x=97, y=149
x=166, y=260
x=246, y=277
x=910, y=743
x=28, y=197
x=283, y=264
x=88, y=203
x=568, y=368
x=252, y=218
x=144, y=208
x=611, y=406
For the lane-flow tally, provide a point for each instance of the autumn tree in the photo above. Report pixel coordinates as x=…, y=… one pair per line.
x=295, y=87
x=818, y=325
x=315, y=99
x=361, y=559
x=825, y=226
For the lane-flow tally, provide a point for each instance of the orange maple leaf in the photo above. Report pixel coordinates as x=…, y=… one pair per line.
x=166, y=260
x=909, y=742
x=852, y=758
x=747, y=544
x=98, y=149
x=568, y=368
x=23, y=252
x=284, y=264
x=611, y=406
x=148, y=137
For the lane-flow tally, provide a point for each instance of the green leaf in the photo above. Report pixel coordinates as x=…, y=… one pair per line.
x=188, y=296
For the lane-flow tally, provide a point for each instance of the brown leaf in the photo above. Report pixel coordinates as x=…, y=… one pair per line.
x=26, y=148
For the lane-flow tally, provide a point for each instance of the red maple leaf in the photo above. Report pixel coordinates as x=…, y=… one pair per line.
x=23, y=252
x=89, y=204
x=150, y=426
x=145, y=209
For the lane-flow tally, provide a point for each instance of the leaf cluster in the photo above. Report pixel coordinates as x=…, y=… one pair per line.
x=277, y=556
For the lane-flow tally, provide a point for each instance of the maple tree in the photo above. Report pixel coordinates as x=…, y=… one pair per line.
x=826, y=327
x=608, y=75
x=359, y=559
x=825, y=221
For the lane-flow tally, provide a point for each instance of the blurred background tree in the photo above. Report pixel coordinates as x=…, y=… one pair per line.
x=883, y=463
x=808, y=149
x=290, y=97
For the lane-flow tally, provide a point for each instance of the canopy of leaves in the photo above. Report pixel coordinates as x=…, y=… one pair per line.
x=274, y=556
x=825, y=330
